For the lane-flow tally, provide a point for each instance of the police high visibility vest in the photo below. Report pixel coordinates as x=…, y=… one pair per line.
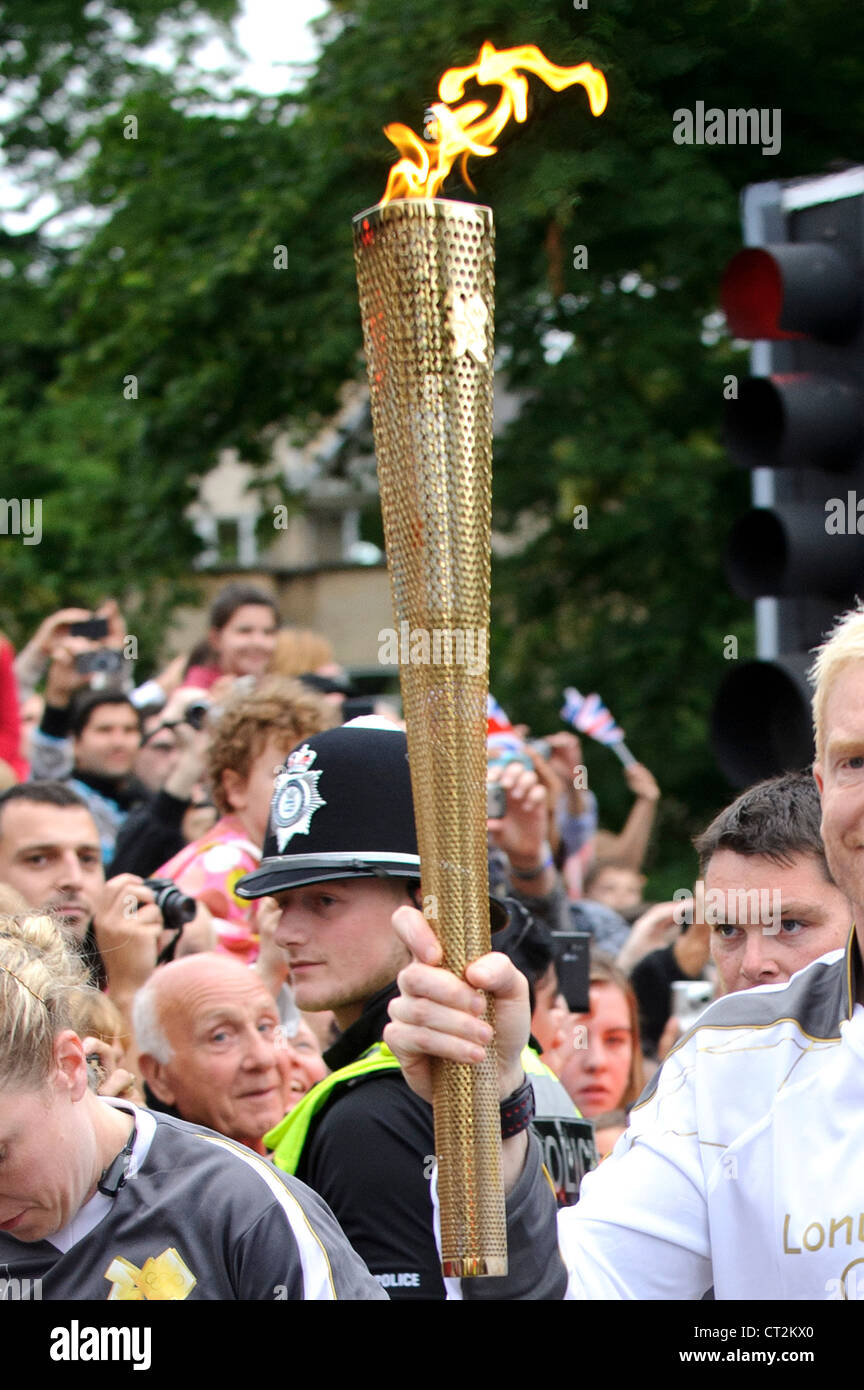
x=550, y=1098
x=288, y=1138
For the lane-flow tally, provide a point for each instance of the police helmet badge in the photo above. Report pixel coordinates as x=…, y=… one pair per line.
x=296, y=798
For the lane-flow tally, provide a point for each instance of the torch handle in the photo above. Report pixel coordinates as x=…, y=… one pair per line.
x=466, y=1125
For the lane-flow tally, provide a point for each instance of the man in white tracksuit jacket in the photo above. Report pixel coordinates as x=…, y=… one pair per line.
x=741, y=1167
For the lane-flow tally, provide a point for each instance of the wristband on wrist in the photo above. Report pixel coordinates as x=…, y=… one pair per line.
x=517, y=1111
x=546, y=862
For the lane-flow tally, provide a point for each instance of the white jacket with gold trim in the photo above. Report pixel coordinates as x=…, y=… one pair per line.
x=741, y=1169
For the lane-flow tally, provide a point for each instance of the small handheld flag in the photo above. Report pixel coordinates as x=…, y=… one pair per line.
x=588, y=715
x=501, y=738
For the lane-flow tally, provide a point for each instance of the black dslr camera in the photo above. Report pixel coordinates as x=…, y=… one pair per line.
x=177, y=909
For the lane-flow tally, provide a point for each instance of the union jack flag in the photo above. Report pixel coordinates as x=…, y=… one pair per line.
x=498, y=722
x=501, y=737
x=589, y=715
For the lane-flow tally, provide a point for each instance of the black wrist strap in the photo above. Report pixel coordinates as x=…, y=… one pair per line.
x=517, y=1111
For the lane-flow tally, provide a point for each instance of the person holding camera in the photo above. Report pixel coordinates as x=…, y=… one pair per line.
x=171, y=762
x=89, y=737
x=240, y=642
x=50, y=855
x=598, y=1059
x=79, y=630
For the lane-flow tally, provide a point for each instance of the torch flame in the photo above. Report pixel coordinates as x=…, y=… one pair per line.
x=464, y=130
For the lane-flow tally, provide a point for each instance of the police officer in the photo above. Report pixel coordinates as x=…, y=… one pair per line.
x=340, y=857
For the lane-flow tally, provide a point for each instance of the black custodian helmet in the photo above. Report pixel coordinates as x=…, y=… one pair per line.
x=341, y=808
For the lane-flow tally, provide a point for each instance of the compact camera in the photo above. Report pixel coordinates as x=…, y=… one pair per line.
x=105, y=662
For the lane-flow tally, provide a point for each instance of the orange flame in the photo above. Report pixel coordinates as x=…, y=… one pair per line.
x=467, y=129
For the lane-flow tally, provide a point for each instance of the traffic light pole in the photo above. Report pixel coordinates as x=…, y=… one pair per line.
x=763, y=224
x=797, y=423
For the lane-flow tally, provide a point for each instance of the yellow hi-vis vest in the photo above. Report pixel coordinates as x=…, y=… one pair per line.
x=287, y=1139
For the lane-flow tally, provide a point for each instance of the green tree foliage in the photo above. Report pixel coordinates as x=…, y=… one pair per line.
x=176, y=281
x=72, y=434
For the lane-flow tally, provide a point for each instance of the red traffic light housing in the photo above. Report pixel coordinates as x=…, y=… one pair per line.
x=798, y=423
x=791, y=291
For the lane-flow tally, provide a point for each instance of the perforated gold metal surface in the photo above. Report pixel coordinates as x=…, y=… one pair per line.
x=425, y=271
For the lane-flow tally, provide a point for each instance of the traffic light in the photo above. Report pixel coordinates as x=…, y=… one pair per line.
x=797, y=291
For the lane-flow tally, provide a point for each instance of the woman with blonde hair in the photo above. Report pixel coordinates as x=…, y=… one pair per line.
x=102, y=1200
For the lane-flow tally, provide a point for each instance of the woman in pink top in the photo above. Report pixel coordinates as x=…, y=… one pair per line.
x=250, y=742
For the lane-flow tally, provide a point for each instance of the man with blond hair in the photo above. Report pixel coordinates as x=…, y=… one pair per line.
x=741, y=1166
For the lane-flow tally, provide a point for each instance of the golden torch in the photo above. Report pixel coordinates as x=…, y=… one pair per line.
x=425, y=271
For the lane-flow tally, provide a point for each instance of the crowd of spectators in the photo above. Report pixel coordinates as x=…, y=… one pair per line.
x=130, y=813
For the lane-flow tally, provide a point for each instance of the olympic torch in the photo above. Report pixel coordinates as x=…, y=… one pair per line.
x=425, y=272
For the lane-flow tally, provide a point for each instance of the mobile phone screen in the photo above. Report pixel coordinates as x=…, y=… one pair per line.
x=94, y=628
x=572, y=966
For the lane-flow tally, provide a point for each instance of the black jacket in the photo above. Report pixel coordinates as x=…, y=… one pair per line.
x=370, y=1154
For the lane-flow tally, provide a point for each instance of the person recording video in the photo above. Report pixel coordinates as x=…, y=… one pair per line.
x=50, y=855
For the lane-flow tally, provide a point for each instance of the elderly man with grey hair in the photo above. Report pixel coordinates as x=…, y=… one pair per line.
x=212, y=1051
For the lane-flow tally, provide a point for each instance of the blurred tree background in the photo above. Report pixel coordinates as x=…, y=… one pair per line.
x=158, y=262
